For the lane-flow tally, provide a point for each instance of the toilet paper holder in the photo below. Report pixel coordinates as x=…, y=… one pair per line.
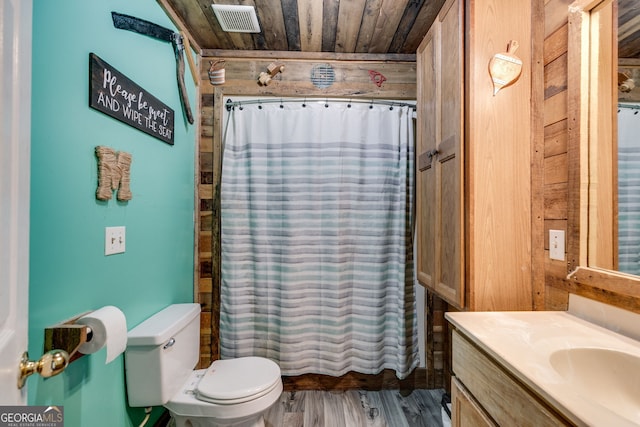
x=67, y=336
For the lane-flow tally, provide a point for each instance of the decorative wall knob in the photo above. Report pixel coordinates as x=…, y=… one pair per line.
x=50, y=364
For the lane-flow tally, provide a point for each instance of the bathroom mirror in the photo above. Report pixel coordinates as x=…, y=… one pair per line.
x=593, y=81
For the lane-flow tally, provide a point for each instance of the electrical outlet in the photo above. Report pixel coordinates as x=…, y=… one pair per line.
x=114, y=240
x=556, y=244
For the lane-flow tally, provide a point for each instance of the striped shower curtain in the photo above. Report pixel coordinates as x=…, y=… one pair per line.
x=629, y=189
x=317, y=266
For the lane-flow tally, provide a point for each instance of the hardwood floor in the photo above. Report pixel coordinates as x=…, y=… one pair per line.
x=356, y=408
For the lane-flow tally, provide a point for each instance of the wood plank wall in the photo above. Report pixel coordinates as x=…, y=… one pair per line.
x=557, y=167
x=352, y=81
x=556, y=172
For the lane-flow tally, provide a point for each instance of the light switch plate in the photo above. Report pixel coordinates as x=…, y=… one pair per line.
x=556, y=244
x=114, y=240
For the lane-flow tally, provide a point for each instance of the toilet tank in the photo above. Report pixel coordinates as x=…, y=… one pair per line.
x=161, y=354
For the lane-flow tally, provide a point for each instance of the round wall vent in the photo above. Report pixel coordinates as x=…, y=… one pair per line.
x=322, y=76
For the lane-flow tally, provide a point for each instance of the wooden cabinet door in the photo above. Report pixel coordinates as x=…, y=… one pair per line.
x=439, y=177
x=450, y=163
x=465, y=411
x=494, y=389
x=427, y=133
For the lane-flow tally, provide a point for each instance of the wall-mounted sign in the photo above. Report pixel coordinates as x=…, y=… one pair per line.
x=117, y=96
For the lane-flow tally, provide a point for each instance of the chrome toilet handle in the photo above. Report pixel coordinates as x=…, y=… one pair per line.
x=169, y=343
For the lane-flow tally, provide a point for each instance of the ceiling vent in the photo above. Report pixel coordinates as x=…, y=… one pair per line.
x=322, y=76
x=236, y=18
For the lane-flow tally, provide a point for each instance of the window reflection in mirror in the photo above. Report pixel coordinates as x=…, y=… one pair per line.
x=628, y=94
x=629, y=188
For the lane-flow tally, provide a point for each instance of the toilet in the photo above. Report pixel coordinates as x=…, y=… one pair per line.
x=160, y=358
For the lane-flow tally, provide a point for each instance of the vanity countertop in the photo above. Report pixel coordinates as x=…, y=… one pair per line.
x=524, y=342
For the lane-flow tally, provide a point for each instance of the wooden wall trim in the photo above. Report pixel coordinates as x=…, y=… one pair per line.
x=196, y=199
x=386, y=380
x=629, y=62
x=352, y=78
x=607, y=280
x=577, y=145
x=537, y=156
x=315, y=56
x=599, y=285
x=216, y=231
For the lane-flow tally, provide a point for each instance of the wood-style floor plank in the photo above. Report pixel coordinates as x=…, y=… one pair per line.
x=334, y=409
x=292, y=419
x=295, y=401
x=314, y=409
x=352, y=408
x=392, y=405
x=274, y=416
x=422, y=409
x=372, y=404
x=356, y=408
x=434, y=405
x=354, y=414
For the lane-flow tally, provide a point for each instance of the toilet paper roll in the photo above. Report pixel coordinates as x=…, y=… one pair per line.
x=109, y=328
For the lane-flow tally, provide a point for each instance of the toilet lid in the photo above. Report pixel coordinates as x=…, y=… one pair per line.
x=237, y=380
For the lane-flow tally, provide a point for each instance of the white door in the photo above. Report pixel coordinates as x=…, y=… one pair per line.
x=15, y=141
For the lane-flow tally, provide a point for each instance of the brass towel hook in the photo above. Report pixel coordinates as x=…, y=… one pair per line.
x=51, y=363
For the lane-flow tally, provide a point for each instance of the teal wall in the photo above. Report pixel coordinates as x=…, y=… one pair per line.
x=69, y=273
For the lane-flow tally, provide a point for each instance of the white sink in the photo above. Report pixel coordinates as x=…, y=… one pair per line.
x=607, y=377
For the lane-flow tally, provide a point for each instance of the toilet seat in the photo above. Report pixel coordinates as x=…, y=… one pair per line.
x=234, y=381
x=185, y=403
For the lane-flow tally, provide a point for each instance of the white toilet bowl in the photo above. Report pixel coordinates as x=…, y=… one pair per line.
x=160, y=357
x=230, y=393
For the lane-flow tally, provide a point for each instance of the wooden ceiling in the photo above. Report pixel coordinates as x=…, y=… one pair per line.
x=337, y=26
x=343, y=26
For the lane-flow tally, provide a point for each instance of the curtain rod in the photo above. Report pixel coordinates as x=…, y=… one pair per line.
x=232, y=104
x=629, y=106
